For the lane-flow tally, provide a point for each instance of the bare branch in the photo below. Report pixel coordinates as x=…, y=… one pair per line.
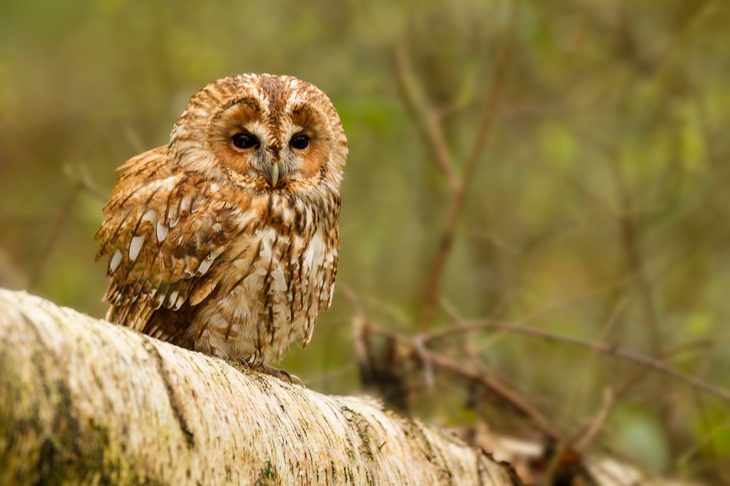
x=458, y=196
x=629, y=230
x=429, y=118
x=511, y=398
x=606, y=348
x=55, y=235
x=597, y=423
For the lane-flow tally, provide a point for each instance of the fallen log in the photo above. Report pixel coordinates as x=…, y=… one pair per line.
x=83, y=401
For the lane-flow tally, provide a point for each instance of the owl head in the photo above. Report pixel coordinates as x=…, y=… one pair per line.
x=263, y=133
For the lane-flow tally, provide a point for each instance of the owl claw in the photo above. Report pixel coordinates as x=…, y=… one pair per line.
x=283, y=375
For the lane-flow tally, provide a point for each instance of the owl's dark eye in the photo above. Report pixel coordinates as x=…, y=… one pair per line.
x=244, y=140
x=299, y=141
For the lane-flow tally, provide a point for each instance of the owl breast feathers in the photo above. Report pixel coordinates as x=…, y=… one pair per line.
x=225, y=241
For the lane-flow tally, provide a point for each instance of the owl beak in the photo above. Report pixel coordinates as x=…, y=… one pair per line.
x=274, y=174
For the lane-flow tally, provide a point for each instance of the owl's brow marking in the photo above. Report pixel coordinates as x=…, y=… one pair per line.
x=251, y=103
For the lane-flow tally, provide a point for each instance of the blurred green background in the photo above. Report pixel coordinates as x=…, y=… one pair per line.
x=599, y=209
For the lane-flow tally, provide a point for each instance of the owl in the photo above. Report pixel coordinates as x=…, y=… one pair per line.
x=225, y=241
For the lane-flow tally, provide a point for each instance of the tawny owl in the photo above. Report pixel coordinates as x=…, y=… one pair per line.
x=225, y=241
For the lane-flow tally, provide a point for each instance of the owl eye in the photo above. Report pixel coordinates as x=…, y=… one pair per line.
x=299, y=141
x=244, y=140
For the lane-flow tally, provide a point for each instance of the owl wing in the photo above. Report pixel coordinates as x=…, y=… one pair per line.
x=164, y=232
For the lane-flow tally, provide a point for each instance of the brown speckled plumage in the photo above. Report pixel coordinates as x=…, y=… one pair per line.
x=223, y=248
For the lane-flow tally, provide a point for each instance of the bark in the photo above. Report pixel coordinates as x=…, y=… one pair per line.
x=83, y=401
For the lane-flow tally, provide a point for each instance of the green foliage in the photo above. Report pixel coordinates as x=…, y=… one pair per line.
x=714, y=429
x=641, y=436
x=599, y=209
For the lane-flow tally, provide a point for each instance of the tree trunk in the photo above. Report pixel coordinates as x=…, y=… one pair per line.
x=84, y=401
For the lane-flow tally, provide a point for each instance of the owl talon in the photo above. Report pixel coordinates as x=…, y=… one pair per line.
x=283, y=375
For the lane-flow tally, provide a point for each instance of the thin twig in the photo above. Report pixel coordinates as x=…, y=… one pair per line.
x=634, y=257
x=430, y=120
x=498, y=388
x=586, y=436
x=395, y=315
x=55, y=235
x=458, y=196
x=87, y=183
x=581, y=386
x=597, y=423
x=606, y=348
x=425, y=357
x=708, y=438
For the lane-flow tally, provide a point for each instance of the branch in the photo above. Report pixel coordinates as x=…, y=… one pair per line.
x=85, y=401
x=511, y=398
x=433, y=131
x=460, y=190
x=606, y=348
